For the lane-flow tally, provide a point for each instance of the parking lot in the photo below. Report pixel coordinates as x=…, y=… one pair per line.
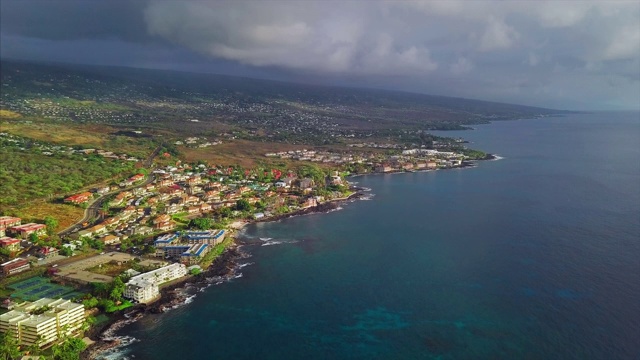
x=77, y=270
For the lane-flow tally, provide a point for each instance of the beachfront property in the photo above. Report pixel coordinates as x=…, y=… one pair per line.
x=175, y=251
x=7, y=222
x=194, y=254
x=183, y=245
x=14, y=266
x=42, y=322
x=144, y=287
x=211, y=237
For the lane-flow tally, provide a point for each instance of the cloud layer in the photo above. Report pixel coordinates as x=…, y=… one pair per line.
x=548, y=53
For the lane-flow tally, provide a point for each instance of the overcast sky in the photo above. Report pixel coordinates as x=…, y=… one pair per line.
x=569, y=55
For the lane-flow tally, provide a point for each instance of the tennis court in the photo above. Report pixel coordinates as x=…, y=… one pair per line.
x=39, y=287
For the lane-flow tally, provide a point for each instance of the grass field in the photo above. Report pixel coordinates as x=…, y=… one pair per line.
x=110, y=269
x=86, y=135
x=8, y=114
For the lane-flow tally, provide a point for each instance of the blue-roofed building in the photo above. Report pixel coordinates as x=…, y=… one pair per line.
x=176, y=250
x=166, y=240
x=194, y=254
x=211, y=237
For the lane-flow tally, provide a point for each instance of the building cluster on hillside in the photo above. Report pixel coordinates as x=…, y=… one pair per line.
x=320, y=156
x=420, y=159
x=410, y=159
x=10, y=225
x=376, y=145
x=42, y=322
x=189, y=191
x=199, y=142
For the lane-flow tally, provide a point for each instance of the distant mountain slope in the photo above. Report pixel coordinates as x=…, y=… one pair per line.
x=247, y=102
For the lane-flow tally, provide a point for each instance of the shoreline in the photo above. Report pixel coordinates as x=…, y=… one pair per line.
x=223, y=268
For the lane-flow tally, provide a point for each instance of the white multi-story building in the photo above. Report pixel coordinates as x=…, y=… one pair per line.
x=144, y=287
x=42, y=322
x=141, y=290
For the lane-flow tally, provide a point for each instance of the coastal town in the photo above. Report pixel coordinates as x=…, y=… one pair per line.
x=119, y=194
x=157, y=227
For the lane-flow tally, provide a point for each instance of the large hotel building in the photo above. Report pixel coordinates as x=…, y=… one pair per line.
x=42, y=322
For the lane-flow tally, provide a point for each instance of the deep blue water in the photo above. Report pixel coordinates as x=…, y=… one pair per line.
x=536, y=256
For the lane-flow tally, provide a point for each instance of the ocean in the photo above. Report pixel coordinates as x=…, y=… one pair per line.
x=533, y=256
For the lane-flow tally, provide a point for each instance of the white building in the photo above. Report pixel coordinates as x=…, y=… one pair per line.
x=42, y=322
x=144, y=287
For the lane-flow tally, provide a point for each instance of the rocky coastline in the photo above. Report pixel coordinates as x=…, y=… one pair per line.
x=173, y=295
x=170, y=296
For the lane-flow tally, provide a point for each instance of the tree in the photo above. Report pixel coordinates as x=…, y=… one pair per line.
x=225, y=212
x=96, y=244
x=243, y=205
x=51, y=224
x=69, y=349
x=201, y=223
x=117, y=289
x=125, y=244
x=100, y=289
x=66, y=251
x=33, y=237
x=9, y=349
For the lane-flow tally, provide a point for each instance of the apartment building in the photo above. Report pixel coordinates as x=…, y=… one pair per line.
x=144, y=287
x=43, y=322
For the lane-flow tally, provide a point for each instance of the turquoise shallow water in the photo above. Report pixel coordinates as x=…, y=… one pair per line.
x=536, y=256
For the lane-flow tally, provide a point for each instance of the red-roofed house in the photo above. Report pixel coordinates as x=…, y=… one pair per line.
x=7, y=222
x=79, y=198
x=27, y=229
x=10, y=244
x=14, y=266
x=48, y=251
x=136, y=177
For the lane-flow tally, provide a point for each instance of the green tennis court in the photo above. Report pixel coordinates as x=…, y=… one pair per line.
x=40, y=287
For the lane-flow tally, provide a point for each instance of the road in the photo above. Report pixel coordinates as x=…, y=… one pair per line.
x=92, y=211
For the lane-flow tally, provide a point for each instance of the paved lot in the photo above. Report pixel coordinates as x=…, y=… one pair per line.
x=77, y=270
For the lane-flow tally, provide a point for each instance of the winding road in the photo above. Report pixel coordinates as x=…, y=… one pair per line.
x=92, y=211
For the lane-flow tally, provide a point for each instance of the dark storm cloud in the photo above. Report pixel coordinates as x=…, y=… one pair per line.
x=75, y=19
x=549, y=53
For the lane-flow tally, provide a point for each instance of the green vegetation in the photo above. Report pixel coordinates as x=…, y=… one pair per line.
x=195, y=271
x=69, y=349
x=201, y=223
x=52, y=224
x=27, y=175
x=9, y=349
x=217, y=250
x=474, y=154
x=107, y=297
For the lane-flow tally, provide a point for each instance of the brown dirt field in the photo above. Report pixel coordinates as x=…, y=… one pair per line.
x=39, y=209
x=109, y=269
x=242, y=152
x=89, y=135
